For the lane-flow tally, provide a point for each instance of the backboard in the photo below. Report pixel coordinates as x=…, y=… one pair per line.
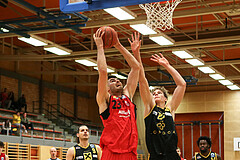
x=70, y=6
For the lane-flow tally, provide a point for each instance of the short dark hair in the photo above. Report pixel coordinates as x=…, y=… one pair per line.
x=205, y=138
x=165, y=92
x=1, y=144
x=111, y=76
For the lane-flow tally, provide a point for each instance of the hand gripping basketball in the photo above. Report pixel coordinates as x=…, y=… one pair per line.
x=110, y=37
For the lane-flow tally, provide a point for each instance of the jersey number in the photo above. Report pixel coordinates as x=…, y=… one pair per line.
x=116, y=103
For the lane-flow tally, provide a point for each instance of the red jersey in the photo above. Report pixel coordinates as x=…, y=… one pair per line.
x=120, y=129
x=2, y=156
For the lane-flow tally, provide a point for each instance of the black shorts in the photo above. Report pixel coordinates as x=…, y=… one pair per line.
x=167, y=156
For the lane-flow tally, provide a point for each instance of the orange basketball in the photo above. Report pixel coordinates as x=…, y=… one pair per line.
x=110, y=36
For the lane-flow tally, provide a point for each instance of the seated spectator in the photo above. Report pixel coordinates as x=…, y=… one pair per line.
x=26, y=122
x=10, y=100
x=17, y=121
x=6, y=127
x=4, y=97
x=22, y=103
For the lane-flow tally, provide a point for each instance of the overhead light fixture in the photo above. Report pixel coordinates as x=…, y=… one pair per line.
x=109, y=69
x=34, y=40
x=182, y=54
x=162, y=39
x=206, y=69
x=225, y=82
x=151, y=87
x=233, y=87
x=87, y=62
x=216, y=76
x=195, y=62
x=121, y=13
x=4, y=30
x=58, y=50
x=143, y=29
x=119, y=76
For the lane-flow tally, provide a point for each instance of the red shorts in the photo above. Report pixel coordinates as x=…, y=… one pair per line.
x=108, y=155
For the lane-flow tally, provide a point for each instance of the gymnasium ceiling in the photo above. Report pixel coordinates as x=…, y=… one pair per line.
x=209, y=29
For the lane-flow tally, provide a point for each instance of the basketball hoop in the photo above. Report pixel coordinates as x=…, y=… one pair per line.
x=159, y=15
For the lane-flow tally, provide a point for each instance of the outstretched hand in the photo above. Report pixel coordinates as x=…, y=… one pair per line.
x=135, y=43
x=98, y=38
x=160, y=59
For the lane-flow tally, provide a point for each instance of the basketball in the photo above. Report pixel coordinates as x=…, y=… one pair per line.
x=110, y=36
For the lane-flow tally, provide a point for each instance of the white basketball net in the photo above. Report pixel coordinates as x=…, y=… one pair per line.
x=160, y=16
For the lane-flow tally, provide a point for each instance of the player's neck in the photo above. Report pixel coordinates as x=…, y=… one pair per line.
x=206, y=154
x=161, y=105
x=117, y=94
x=84, y=143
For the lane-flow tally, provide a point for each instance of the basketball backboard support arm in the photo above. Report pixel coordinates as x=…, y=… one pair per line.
x=68, y=7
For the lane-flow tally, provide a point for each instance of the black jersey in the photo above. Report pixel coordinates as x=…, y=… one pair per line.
x=88, y=153
x=161, y=136
x=210, y=156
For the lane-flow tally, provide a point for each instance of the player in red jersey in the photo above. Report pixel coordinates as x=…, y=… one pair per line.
x=119, y=138
x=3, y=156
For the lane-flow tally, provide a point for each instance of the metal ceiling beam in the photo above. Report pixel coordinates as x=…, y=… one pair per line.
x=181, y=66
x=200, y=80
x=150, y=48
x=176, y=14
x=140, y=19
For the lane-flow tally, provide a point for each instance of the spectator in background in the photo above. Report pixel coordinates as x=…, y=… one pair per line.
x=10, y=100
x=3, y=156
x=6, y=127
x=53, y=153
x=22, y=103
x=204, y=144
x=17, y=121
x=4, y=97
x=179, y=152
x=26, y=122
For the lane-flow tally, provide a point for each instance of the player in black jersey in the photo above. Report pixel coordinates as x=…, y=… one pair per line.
x=204, y=143
x=161, y=136
x=84, y=150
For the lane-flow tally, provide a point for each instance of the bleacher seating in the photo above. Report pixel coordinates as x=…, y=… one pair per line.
x=39, y=127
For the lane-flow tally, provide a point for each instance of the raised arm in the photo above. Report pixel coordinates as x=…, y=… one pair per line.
x=180, y=82
x=102, y=94
x=133, y=75
x=145, y=93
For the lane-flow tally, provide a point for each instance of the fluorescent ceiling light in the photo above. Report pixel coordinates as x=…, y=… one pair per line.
x=225, y=82
x=161, y=40
x=143, y=29
x=86, y=62
x=151, y=87
x=216, y=76
x=233, y=87
x=109, y=70
x=33, y=41
x=4, y=30
x=119, y=76
x=194, y=62
x=206, y=69
x=120, y=13
x=58, y=50
x=182, y=54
